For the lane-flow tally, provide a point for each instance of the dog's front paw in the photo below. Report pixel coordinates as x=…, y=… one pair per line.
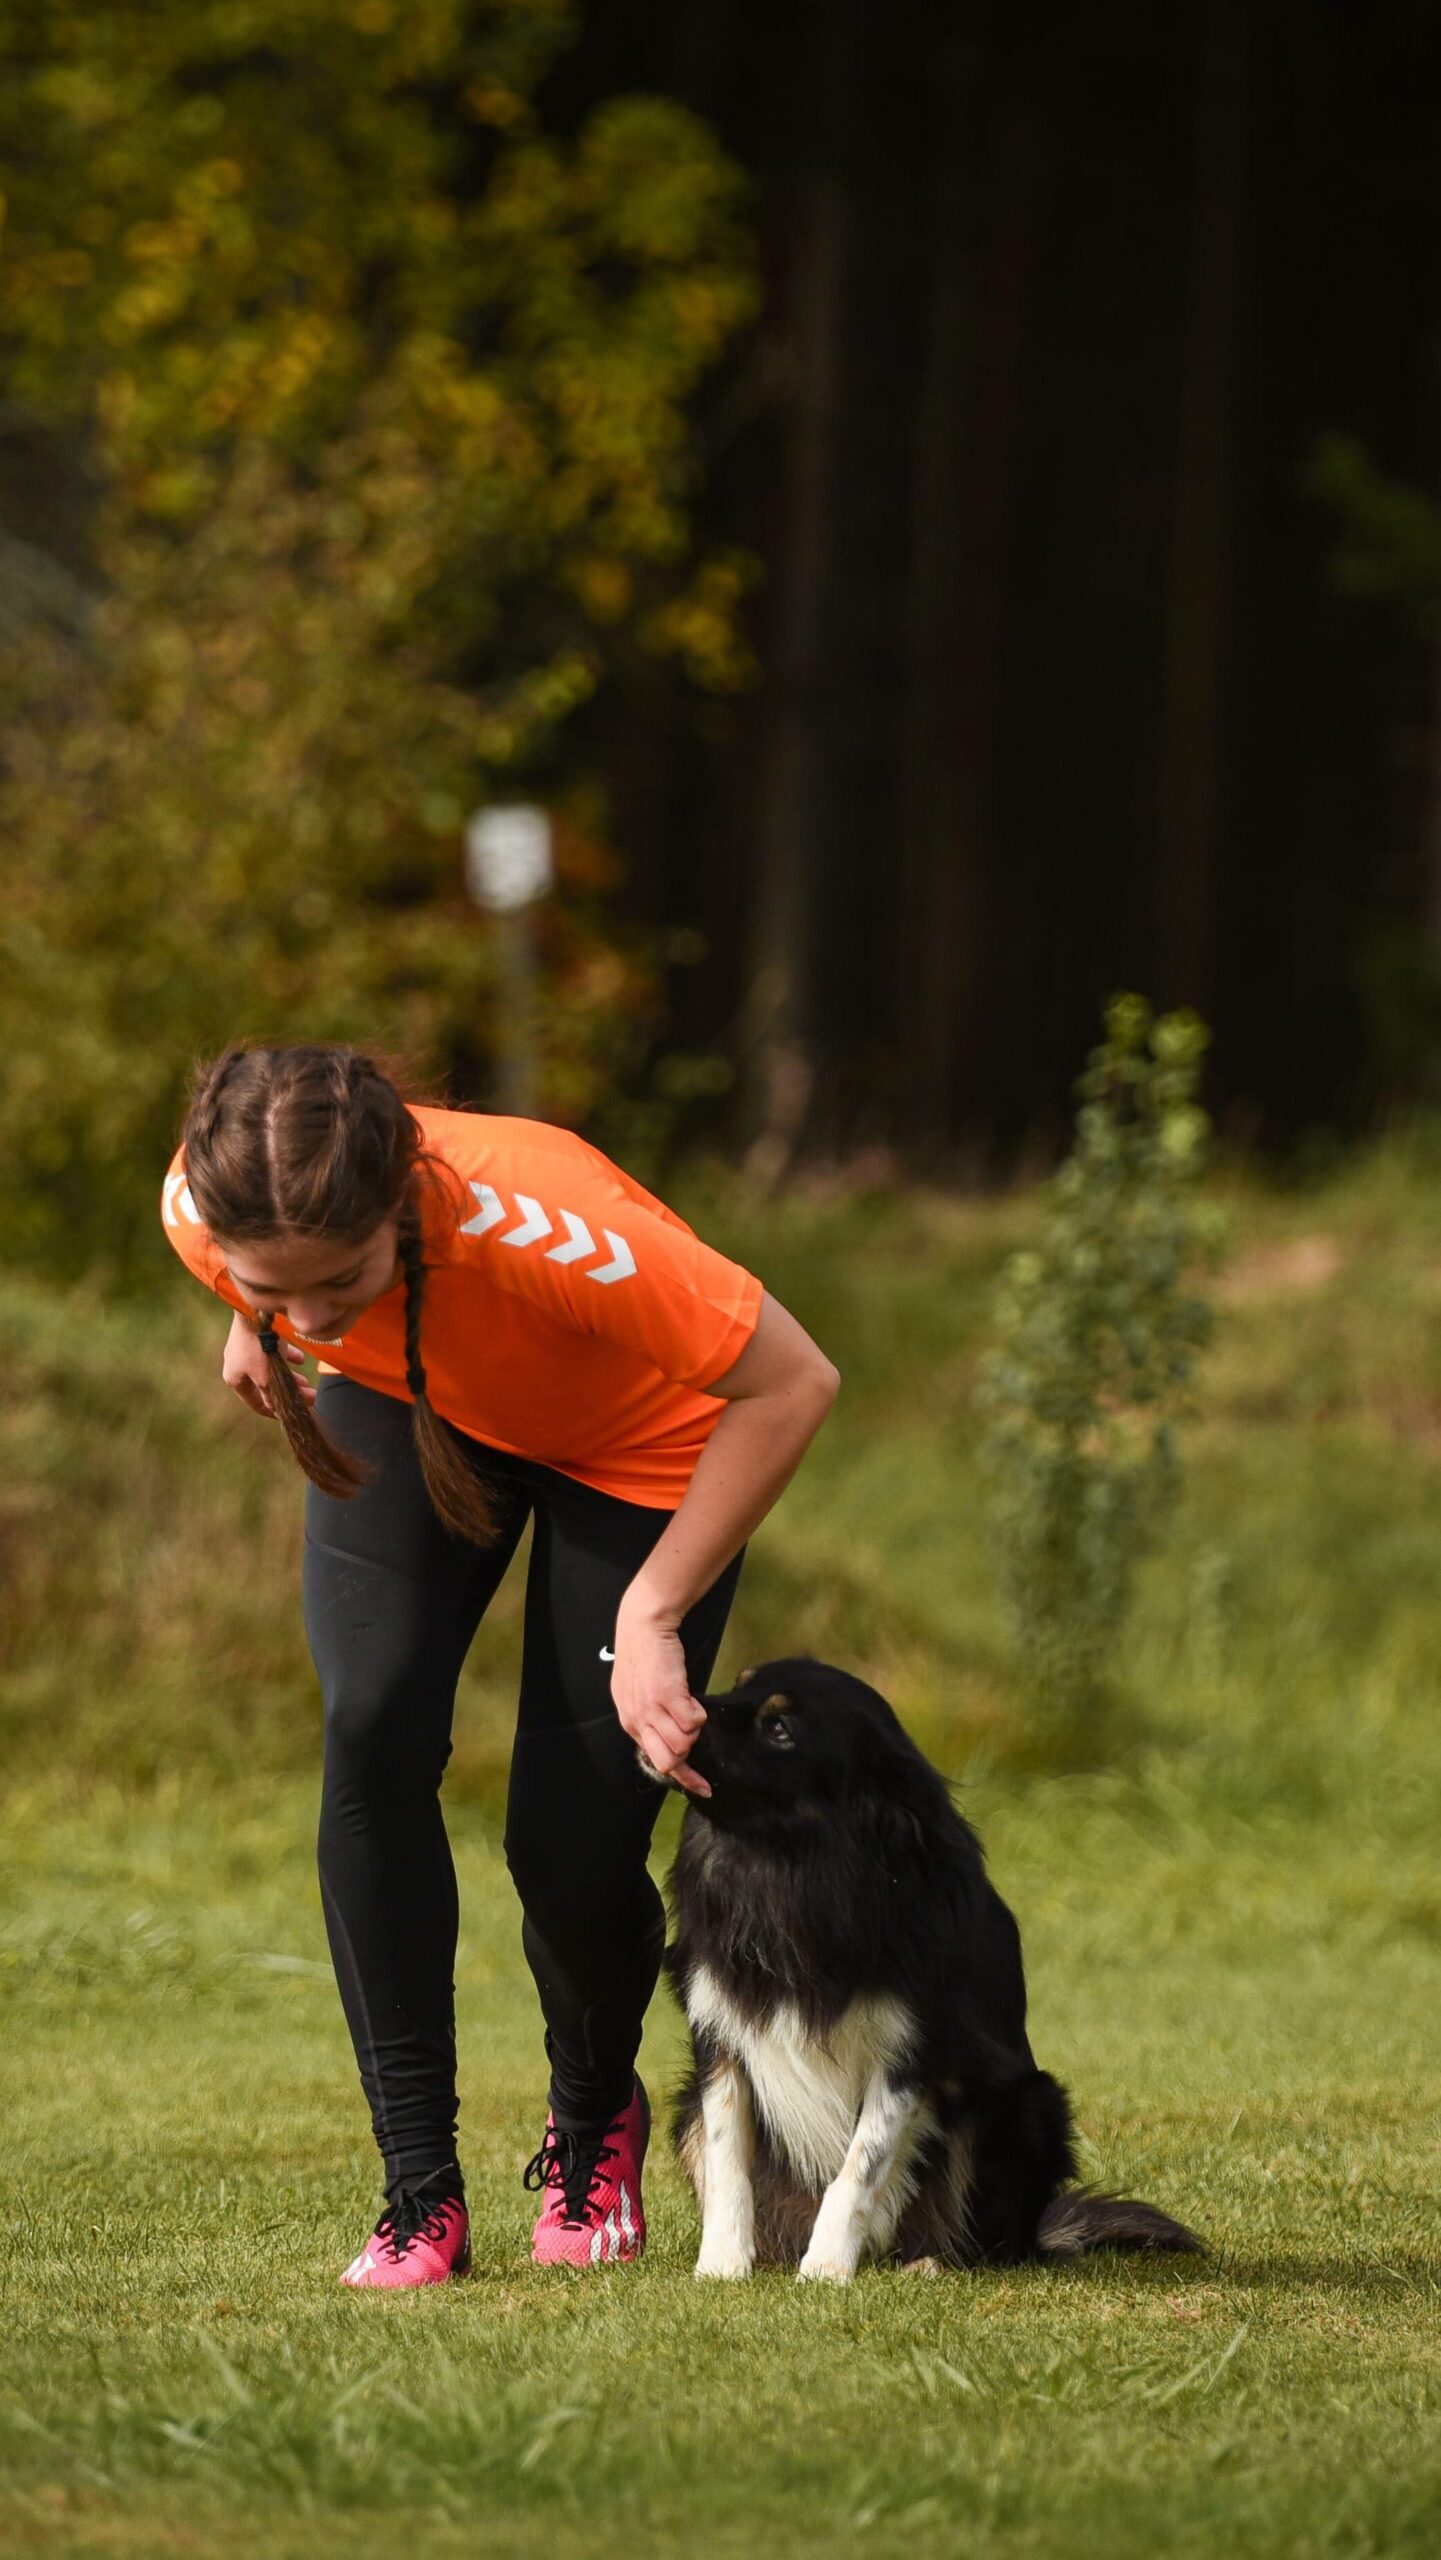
x=829, y=2270
x=729, y=2263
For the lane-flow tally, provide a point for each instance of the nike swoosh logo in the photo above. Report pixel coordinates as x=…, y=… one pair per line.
x=605, y=1654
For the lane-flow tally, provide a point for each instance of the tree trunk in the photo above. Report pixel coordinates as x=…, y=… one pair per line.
x=1192, y=711
x=778, y=1019
x=990, y=180
x=937, y=826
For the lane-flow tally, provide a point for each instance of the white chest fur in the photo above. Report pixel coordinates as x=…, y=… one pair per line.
x=808, y=2092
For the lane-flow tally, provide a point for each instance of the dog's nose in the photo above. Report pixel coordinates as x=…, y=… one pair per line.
x=700, y=1756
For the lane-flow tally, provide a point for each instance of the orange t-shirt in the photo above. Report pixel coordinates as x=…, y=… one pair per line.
x=569, y=1315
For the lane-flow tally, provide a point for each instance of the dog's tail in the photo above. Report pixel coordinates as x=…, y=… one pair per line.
x=1081, y=2220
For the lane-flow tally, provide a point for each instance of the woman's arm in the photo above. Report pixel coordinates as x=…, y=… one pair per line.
x=777, y=1394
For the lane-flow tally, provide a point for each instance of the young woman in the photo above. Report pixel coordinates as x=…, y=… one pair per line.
x=512, y=1328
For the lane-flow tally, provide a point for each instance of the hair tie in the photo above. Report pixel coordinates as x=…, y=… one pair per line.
x=415, y=1377
x=269, y=1340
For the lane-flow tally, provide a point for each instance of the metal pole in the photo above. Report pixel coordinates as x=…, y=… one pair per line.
x=518, y=1079
x=508, y=865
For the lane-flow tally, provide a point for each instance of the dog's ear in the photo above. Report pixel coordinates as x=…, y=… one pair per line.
x=903, y=1826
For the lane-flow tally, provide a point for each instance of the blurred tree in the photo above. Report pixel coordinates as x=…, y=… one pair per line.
x=1192, y=722
x=1096, y=1345
x=386, y=397
x=1387, y=547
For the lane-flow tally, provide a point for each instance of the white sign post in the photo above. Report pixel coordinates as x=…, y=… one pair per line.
x=508, y=866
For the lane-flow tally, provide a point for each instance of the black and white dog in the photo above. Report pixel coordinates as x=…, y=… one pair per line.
x=862, y=2083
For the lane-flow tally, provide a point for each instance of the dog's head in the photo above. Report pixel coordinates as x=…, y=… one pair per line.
x=796, y=1736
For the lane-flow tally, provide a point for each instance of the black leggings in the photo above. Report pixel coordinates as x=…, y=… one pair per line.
x=392, y=1600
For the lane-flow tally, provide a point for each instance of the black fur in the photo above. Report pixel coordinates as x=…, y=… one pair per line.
x=828, y=1862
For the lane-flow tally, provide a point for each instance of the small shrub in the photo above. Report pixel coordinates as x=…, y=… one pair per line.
x=1097, y=1339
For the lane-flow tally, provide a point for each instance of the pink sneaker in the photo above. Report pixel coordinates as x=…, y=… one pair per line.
x=414, y=2243
x=593, y=2213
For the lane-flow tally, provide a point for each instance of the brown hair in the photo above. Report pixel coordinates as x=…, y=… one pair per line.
x=317, y=1141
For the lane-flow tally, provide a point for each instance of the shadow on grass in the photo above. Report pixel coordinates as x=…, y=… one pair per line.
x=1167, y=2272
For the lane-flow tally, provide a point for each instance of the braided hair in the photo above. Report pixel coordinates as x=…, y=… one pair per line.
x=310, y=1141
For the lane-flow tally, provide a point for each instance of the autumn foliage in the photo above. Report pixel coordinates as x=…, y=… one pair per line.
x=383, y=390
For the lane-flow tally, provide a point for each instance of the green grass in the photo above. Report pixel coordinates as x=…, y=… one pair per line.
x=1232, y=1919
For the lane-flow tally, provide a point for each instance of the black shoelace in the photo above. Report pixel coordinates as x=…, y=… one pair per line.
x=572, y=2162
x=410, y=2218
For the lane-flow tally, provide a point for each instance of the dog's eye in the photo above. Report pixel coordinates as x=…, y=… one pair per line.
x=776, y=1730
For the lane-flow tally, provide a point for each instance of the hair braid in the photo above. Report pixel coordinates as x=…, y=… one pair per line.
x=204, y=1115
x=336, y=1470
x=413, y=1264
x=461, y=1497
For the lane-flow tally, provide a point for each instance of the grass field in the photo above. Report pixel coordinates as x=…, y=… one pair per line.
x=1232, y=1914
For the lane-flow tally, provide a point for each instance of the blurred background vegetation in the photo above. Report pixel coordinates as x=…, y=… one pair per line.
x=848, y=471
x=1280, y=1656
x=940, y=506
x=368, y=397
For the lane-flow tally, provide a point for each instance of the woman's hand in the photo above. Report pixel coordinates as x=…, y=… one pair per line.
x=653, y=1700
x=246, y=1369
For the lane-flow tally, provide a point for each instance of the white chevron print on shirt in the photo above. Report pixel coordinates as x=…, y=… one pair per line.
x=535, y=1224
x=177, y=1189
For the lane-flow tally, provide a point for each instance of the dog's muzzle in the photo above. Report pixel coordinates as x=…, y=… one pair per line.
x=659, y=1777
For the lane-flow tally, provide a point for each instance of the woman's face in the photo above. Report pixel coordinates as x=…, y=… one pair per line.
x=321, y=1287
